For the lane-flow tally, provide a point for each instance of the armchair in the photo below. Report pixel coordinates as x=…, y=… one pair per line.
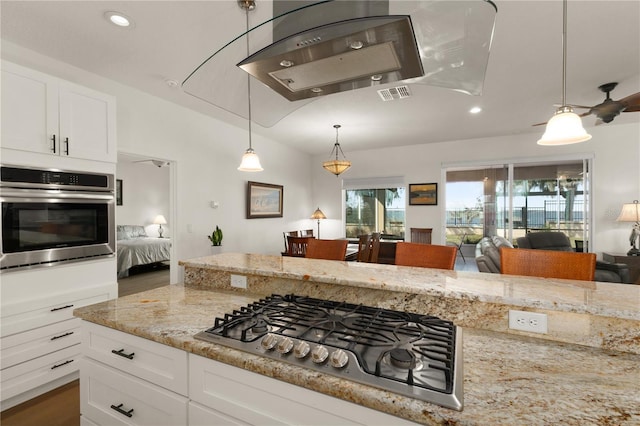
x=550, y=240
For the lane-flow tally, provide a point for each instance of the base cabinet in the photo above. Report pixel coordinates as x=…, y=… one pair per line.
x=111, y=389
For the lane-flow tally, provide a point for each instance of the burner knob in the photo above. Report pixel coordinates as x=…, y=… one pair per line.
x=285, y=345
x=319, y=354
x=301, y=350
x=339, y=359
x=269, y=342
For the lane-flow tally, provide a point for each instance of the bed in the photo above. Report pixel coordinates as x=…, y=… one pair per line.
x=135, y=248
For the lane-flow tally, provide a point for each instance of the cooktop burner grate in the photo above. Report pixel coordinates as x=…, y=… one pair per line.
x=416, y=355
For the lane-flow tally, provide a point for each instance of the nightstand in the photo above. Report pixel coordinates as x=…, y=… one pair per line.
x=633, y=262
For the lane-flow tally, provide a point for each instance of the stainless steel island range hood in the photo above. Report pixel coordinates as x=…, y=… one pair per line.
x=303, y=50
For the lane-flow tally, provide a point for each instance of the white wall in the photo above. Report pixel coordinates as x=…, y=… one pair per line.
x=145, y=195
x=205, y=153
x=616, y=176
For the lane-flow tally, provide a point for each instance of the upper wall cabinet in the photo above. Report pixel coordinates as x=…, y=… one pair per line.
x=46, y=115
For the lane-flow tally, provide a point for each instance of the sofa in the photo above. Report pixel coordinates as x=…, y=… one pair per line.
x=488, y=253
x=552, y=240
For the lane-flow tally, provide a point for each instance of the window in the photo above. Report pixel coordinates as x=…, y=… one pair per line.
x=375, y=210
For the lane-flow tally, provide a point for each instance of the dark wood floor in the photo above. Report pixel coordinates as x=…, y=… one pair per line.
x=61, y=406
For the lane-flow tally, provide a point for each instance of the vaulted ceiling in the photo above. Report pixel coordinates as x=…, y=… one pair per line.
x=522, y=84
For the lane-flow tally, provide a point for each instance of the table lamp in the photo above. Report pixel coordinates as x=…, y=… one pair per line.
x=160, y=220
x=631, y=213
x=318, y=215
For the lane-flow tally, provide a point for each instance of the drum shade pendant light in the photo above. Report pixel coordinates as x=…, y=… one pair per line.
x=565, y=127
x=250, y=161
x=337, y=166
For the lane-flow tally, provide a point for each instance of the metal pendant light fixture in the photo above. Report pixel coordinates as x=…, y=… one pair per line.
x=565, y=127
x=337, y=166
x=250, y=161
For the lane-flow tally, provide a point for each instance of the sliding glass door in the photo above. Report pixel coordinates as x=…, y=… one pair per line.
x=512, y=199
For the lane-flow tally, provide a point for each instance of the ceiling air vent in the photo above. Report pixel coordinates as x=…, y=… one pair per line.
x=399, y=92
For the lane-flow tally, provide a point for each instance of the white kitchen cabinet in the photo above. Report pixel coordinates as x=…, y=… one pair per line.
x=46, y=115
x=40, y=344
x=112, y=397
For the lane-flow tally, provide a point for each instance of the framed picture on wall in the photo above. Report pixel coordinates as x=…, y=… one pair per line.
x=264, y=200
x=118, y=192
x=423, y=194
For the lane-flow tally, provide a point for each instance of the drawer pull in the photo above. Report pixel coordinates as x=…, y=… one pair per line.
x=61, y=307
x=68, y=333
x=66, y=141
x=121, y=411
x=122, y=354
x=64, y=363
x=53, y=148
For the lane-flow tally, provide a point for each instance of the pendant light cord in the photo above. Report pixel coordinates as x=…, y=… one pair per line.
x=564, y=53
x=249, y=76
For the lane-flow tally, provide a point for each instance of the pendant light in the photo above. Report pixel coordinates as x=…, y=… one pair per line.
x=337, y=166
x=250, y=161
x=565, y=127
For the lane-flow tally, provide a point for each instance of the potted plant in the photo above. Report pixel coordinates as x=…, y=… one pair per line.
x=216, y=237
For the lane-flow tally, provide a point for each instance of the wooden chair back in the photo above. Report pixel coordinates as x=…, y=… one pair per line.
x=364, y=248
x=297, y=246
x=375, y=247
x=306, y=233
x=286, y=242
x=421, y=235
x=327, y=249
x=548, y=263
x=425, y=255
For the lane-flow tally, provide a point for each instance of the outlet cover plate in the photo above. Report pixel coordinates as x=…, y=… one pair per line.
x=239, y=281
x=533, y=322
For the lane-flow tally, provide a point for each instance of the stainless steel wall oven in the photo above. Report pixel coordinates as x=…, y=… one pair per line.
x=51, y=216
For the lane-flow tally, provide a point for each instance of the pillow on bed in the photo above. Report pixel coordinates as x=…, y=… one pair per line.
x=127, y=232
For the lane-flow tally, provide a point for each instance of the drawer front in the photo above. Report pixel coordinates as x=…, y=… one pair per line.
x=36, y=313
x=203, y=416
x=28, y=375
x=111, y=397
x=31, y=344
x=160, y=364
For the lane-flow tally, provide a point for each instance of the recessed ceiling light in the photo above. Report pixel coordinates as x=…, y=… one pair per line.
x=119, y=19
x=475, y=110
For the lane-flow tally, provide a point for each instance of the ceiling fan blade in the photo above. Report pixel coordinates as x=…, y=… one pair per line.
x=539, y=124
x=631, y=102
x=576, y=106
x=599, y=122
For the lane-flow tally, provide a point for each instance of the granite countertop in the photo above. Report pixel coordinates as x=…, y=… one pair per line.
x=595, y=298
x=507, y=379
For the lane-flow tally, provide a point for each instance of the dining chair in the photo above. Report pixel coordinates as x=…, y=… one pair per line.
x=425, y=255
x=297, y=246
x=306, y=233
x=364, y=248
x=326, y=249
x=375, y=247
x=421, y=235
x=286, y=242
x=548, y=263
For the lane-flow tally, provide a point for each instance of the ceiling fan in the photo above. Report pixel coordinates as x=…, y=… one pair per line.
x=157, y=163
x=609, y=109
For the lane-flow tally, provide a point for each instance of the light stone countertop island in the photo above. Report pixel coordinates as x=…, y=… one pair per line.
x=584, y=371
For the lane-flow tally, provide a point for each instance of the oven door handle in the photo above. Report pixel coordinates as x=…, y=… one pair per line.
x=26, y=195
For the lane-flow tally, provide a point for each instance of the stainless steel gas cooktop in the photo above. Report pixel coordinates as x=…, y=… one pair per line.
x=419, y=356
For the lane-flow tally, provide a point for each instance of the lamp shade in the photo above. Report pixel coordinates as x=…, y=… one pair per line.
x=564, y=128
x=336, y=166
x=318, y=214
x=630, y=212
x=160, y=220
x=250, y=162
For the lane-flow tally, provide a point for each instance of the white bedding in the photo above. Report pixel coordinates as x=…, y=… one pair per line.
x=141, y=251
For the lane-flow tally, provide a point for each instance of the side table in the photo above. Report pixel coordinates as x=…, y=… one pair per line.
x=633, y=262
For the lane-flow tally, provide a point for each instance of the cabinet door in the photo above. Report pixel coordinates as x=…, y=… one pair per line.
x=29, y=110
x=86, y=123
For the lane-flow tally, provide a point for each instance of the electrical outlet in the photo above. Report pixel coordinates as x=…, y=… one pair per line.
x=532, y=322
x=239, y=281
